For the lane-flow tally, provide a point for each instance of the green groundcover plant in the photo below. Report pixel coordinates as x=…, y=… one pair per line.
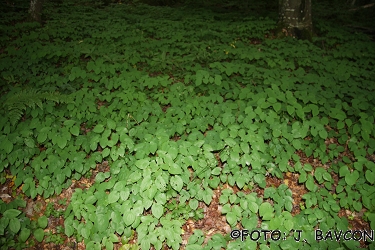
x=159, y=94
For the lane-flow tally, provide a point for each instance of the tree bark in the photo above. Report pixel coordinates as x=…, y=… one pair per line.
x=35, y=10
x=295, y=19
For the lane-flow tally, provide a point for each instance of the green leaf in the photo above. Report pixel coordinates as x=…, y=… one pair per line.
x=251, y=222
x=43, y=221
x=207, y=147
x=356, y=128
x=223, y=199
x=227, y=119
x=318, y=174
x=233, y=199
x=225, y=209
x=323, y=134
x=365, y=135
x=351, y=178
x=61, y=142
x=260, y=179
x=370, y=176
x=129, y=217
x=124, y=194
x=113, y=197
x=245, y=147
x=303, y=177
x=99, y=128
x=100, y=177
x=85, y=232
x=173, y=152
x=142, y=163
x=174, y=169
x=290, y=110
x=39, y=234
x=367, y=126
x=11, y=213
x=253, y=207
x=348, y=122
x=91, y=199
x=327, y=176
x=218, y=79
x=109, y=245
x=241, y=181
x=344, y=170
x=29, y=142
x=74, y=130
x=224, y=134
x=24, y=234
x=337, y=114
x=105, y=152
x=14, y=225
x=7, y=145
x=193, y=203
x=277, y=107
x=288, y=224
x=113, y=238
x=277, y=131
x=335, y=208
x=111, y=124
x=198, y=79
x=314, y=109
x=176, y=183
x=157, y=210
x=266, y=211
x=255, y=160
x=152, y=147
x=160, y=183
x=33, y=192
x=42, y=137
x=357, y=206
x=103, y=141
x=296, y=144
x=60, y=177
x=147, y=203
x=269, y=192
x=340, y=124
x=69, y=230
x=207, y=196
x=230, y=142
x=94, y=143
x=289, y=206
x=307, y=167
x=243, y=204
x=216, y=171
x=310, y=183
x=69, y=123
x=134, y=177
x=231, y=218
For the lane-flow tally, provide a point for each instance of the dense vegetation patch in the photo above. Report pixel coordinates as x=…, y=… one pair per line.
x=148, y=115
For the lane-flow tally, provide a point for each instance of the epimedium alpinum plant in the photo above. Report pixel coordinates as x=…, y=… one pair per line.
x=16, y=228
x=164, y=102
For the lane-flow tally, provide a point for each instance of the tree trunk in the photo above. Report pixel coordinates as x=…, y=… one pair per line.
x=35, y=10
x=295, y=19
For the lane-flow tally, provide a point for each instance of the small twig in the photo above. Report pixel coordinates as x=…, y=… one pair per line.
x=361, y=28
x=363, y=7
x=130, y=116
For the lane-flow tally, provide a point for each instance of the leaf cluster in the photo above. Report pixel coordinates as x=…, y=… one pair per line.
x=16, y=229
